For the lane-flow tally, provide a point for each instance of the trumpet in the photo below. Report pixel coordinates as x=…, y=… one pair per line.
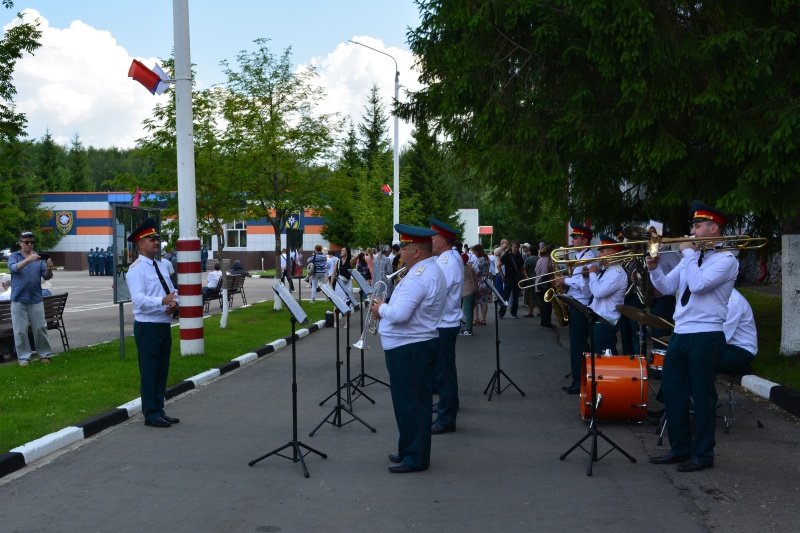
x=371, y=323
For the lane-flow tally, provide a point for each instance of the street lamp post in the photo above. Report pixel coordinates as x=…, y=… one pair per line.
x=396, y=188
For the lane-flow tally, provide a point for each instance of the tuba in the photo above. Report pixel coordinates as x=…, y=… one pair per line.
x=371, y=323
x=559, y=307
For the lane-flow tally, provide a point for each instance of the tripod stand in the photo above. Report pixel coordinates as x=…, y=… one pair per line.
x=359, y=379
x=494, y=383
x=593, y=432
x=294, y=444
x=335, y=416
x=349, y=384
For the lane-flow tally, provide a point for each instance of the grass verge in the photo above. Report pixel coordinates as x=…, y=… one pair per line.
x=83, y=382
x=769, y=363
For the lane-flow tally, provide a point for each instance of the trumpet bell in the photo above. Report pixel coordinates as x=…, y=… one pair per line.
x=360, y=345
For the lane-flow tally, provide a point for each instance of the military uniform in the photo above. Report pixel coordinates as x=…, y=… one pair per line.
x=740, y=335
x=578, y=323
x=409, y=337
x=90, y=257
x=704, y=282
x=148, y=281
x=608, y=290
x=452, y=267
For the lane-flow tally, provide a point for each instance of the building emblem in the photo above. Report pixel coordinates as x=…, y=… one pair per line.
x=64, y=221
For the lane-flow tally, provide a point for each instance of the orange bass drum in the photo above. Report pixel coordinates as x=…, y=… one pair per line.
x=621, y=388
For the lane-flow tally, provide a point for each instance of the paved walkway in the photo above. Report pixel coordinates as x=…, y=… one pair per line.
x=499, y=472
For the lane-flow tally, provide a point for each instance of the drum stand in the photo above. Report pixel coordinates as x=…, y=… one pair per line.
x=335, y=416
x=494, y=383
x=593, y=432
x=294, y=444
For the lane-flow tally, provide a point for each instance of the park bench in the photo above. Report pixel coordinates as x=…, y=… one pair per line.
x=235, y=285
x=53, y=314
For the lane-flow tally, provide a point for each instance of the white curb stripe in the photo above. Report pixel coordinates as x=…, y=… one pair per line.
x=208, y=375
x=758, y=385
x=49, y=443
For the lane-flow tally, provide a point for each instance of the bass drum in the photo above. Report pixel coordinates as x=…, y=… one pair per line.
x=621, y=388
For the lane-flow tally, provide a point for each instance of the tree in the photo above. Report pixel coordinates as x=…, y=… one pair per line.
x=340, y=195
x=622, y=109
x=78, y=167
x=20, y=192
x=282, y=144
x=50, y=163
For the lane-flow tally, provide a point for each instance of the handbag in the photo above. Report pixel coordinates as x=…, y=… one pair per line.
x=310, y=267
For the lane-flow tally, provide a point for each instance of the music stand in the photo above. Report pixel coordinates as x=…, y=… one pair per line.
x=350, y=301
x=594, y=432
x=298, y=315
x=335, y=415
x=494, y=383
x=366, y=290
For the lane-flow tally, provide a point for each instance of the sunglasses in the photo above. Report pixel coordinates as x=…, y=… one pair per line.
x=26, y=242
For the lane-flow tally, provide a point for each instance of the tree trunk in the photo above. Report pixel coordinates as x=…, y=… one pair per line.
x=790, y=280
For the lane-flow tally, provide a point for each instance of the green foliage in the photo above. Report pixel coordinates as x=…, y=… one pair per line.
x=50, y=164
x=77, y=165
x=617, y=110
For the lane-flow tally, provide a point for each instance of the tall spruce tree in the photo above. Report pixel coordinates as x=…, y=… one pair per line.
x=78, y=166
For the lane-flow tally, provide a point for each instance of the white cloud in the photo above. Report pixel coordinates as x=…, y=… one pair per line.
x=348, y=72
x=77, y=81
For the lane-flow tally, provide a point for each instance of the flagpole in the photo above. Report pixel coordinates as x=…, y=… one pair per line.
x=396, y=192
x=189, y=277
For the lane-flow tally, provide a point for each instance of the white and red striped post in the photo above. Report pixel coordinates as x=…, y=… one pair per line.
x=189, y=278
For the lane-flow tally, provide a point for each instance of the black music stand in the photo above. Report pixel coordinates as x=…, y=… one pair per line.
x=298, y=315
x=350, y=301
x=366, y=289
x=494, y=383
x=594, y=432
x=335, y=416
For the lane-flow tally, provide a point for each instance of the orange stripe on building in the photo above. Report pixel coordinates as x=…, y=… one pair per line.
x=93, y=213
x=94, y=230
x=260, y=230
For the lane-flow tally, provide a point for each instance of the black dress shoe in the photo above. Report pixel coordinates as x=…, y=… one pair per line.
x=693, y=465
x=395, y=458
x=403, y=468
x=436, y=429
x=170, y=419
x=668, y=458
x=157, y=423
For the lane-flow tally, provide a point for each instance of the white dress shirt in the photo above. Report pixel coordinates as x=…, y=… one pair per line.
x=578, y=285
x=414, y=313
x=608, y=290
x=453, y=268
x=146, y=290
x=740, y=326
x=711, y=285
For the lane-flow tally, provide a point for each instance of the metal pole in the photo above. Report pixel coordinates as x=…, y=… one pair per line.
x=396, y=183
x=189, y=277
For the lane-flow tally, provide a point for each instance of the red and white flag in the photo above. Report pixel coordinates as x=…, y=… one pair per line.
x=136, y=198
x=386, y=189
x=156, y=80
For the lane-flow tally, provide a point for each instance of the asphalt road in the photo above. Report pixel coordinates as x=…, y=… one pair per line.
x=499, y=472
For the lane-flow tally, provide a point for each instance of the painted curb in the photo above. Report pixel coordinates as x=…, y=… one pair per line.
x=21, y=456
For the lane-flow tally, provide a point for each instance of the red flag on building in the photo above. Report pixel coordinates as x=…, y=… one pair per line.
x=386, y=190
x=136, y=198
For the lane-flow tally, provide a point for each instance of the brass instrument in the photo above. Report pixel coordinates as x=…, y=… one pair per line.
x=378, y=293
x=559, y=308
x=651, y=246
x=546, y=278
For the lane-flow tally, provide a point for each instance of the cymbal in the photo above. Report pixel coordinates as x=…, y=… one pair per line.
x=643, y=317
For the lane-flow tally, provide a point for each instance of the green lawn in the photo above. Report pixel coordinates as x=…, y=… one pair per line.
x=38, y=399
x=769, y=363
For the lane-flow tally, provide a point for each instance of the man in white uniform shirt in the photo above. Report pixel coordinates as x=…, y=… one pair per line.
x=410, y=337
x=740, y=335
x=154, y=300
x=578, y=285
x=607, y=286
x=449, y=260
x=704, y=281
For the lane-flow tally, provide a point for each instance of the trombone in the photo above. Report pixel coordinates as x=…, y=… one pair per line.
x=544, y=279
x=652, y=245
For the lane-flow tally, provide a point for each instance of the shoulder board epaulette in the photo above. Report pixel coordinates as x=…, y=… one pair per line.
x=134, y=263
x=419, y=270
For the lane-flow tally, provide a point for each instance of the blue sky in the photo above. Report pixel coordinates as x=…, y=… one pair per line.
x=107, y=108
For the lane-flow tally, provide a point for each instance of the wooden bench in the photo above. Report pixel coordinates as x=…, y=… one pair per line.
x=53, y=315
x=235, y=285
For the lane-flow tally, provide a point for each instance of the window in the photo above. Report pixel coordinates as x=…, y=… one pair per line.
x=237, y=234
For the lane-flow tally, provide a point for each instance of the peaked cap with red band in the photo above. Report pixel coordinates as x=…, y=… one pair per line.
x=606, y=241
x=701, y=212
x=445, y=230
x=147, y=229
x=413, y=234
x=580, y=231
